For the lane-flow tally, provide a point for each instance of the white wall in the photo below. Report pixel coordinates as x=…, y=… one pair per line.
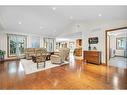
x=97, y=29
x=112, y=45
x=113, y=41
x=3, y=41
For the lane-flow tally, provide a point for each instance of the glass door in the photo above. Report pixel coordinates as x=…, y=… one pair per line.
x=72, y=46
x=49, y=44
x=16, y=45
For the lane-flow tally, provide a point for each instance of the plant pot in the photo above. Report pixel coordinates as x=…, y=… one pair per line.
x=1, y=57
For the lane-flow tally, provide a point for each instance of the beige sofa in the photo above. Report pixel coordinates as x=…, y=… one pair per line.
x=29, y=52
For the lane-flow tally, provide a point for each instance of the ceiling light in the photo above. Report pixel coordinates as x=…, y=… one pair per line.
x=53, y=8
x=19, y=22
x=99, y=15
x=71, y=17
x=41, y=27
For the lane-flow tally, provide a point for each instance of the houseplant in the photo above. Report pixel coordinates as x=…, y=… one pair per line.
x=2, y=53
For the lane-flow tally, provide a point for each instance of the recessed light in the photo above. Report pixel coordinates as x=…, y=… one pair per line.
x=19, y=22
x=41, y=27
x=71, y=17
x=99, y=15
x=53, y=8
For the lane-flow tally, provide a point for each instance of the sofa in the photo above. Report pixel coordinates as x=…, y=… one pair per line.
x=29, y=52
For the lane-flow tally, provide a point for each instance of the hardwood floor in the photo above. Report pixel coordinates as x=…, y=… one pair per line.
x=76, y=75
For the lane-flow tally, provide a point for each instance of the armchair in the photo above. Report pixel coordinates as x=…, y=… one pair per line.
x=40, y=56
x=60, y=56
x=29, y=52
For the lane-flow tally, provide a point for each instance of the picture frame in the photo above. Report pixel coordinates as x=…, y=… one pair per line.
x=93, y=40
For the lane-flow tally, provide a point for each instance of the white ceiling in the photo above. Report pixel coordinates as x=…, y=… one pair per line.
x=75, y=35
x=45, y=21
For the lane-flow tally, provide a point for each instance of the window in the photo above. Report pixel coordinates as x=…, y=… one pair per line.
x=72, y=46
x=35, y=42
x=16, y=44
x=121, y=43
x=61, y=45
x=49, y=44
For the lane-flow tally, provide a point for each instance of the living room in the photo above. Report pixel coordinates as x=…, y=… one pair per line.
x=28, y=32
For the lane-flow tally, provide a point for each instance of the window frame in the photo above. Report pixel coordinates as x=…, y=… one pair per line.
x=8, y=45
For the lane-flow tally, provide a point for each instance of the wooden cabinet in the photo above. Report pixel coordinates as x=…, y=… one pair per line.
x=92, y=56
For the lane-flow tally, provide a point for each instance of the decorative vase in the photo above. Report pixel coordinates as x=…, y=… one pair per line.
x=89, y=47
x=1, y=57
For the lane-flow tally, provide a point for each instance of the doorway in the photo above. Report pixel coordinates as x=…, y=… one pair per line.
x=116, y=47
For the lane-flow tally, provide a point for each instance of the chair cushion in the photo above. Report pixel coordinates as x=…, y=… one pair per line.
x=55, y=56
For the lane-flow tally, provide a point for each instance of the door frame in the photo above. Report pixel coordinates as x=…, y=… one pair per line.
x=106, y=32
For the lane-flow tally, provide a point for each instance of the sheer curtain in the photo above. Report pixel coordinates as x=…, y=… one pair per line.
x=35, y=42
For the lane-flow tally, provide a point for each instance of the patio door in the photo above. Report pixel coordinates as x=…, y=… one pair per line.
x=16, y=45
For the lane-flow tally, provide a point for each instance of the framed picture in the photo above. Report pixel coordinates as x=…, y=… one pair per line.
x=93, y=40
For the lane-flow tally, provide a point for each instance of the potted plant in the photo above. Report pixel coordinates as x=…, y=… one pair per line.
x=2, y=53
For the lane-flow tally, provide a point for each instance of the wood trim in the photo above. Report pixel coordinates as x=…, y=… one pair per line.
x=104, y=64
x=110, y=30
x=106, y=32
x=10, y=59
x=106, y=47
x=7, y=45
x=109, y=47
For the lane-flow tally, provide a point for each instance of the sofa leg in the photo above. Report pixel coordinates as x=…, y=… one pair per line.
x=37, y=65
x=44, y=64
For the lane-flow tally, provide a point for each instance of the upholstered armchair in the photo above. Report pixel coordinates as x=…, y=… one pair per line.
x=66, y=53
x=61, y=56
x=29, y=52
x=40, y=56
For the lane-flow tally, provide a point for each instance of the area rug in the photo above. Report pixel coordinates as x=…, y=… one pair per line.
x=31, y=67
